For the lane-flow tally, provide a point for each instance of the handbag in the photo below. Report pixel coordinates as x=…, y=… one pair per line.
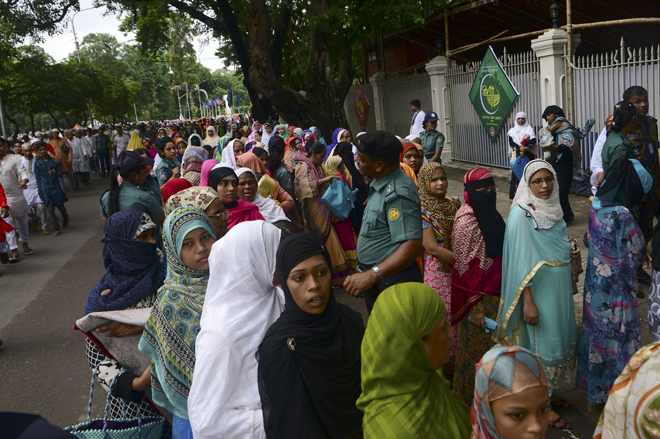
x=104, y=428
x=339, y=199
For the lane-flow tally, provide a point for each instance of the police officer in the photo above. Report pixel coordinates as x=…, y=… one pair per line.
x=432, y=140
x=391, y=235
x=133, y=193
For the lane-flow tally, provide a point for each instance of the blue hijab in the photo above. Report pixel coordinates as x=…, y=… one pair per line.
x=319, y=138
x=334, y=143
x=134, y=269
x=170, y=333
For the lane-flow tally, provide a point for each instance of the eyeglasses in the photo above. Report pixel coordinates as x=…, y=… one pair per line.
x=222, y=215
x=549, y=181
x=488, y=190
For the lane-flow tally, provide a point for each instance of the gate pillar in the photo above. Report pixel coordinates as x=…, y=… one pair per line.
x=549, y=49
x=437, y=70
x=377, y=81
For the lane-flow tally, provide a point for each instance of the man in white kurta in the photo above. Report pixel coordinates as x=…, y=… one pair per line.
x=14, y=179
x=417, y=122
x=80, y=163
x=37, y=207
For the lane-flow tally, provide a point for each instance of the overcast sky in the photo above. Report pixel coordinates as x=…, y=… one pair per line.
x=93, y=21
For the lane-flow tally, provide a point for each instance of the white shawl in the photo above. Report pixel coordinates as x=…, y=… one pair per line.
x=544, y=212
x=241, y=304
x=268, y=208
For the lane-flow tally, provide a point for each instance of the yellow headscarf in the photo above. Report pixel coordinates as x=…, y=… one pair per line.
x=135, y=142
x=331, y=168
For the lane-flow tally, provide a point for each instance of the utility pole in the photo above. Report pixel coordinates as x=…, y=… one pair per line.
x=75, y=37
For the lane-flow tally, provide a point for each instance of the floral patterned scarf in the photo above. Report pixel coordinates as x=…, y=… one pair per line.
x=170, y=333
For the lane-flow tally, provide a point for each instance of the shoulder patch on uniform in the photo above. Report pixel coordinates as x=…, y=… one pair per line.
x=393, y=214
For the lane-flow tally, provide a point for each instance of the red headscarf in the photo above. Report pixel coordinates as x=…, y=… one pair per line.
x=474, y=175
x=407, y=146
x=473, y=275
x=174, y=186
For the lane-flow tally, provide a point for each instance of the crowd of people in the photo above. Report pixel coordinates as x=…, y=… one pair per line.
x=224, y=240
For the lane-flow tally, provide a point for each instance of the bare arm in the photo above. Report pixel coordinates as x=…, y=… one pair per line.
x=436, y=250
x=530, y=312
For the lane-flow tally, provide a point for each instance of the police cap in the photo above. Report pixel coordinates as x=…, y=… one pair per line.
x=380, y=145
x=130, y=161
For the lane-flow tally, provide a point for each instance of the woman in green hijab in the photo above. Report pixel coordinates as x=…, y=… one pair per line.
x=404, y=393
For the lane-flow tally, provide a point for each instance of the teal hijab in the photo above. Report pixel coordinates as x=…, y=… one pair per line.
x=174, y=323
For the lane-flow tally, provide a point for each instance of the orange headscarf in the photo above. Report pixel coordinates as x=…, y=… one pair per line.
x=250, y=160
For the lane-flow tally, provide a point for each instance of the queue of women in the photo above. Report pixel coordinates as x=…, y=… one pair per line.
x=235, y=331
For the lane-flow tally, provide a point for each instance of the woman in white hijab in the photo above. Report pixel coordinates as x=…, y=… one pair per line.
x=212, y=138
x=268, y=208
x=524, y=149
x=229, y=155
x=536, y=309
x=241, y=304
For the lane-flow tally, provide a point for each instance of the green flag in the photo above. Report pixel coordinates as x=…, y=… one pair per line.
x=492, y=94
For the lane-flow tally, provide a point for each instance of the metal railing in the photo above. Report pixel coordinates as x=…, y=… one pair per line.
x=601, y=79
x=469, y=140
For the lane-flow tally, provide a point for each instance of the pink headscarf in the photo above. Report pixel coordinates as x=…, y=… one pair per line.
x=206, y=168
x=474, y=175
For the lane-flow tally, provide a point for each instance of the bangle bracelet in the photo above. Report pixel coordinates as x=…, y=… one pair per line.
x=378, y=272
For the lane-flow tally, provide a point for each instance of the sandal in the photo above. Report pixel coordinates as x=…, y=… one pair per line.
x=57, y=233
x=29, y=252
x=65, y=222
x=46, y=232
x=559, y=423
x=13, y=260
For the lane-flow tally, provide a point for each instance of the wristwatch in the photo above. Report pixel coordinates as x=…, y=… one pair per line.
x=378, y=272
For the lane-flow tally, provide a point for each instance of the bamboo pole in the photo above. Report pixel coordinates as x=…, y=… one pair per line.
x=650, y=20
x=472, y=46
x=569, y=69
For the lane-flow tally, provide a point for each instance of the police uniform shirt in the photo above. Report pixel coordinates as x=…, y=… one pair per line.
x=392, y=215
x=132, y=197
x=435, y=139
x=151, y=183
x=283, y=177
x=164, y=171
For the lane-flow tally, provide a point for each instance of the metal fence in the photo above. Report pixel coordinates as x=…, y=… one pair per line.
x=600, y=81
x=399, y=91
x=469, y=140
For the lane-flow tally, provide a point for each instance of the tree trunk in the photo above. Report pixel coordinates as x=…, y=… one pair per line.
x=323, y=102
x=66, y=119
x=13, y=122
x=32, y=122
x=260, y=60
x=57, y=122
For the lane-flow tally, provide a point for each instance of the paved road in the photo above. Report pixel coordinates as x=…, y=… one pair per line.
x=43, y=367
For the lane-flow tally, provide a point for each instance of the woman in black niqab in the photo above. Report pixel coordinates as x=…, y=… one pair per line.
x=309, y=365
